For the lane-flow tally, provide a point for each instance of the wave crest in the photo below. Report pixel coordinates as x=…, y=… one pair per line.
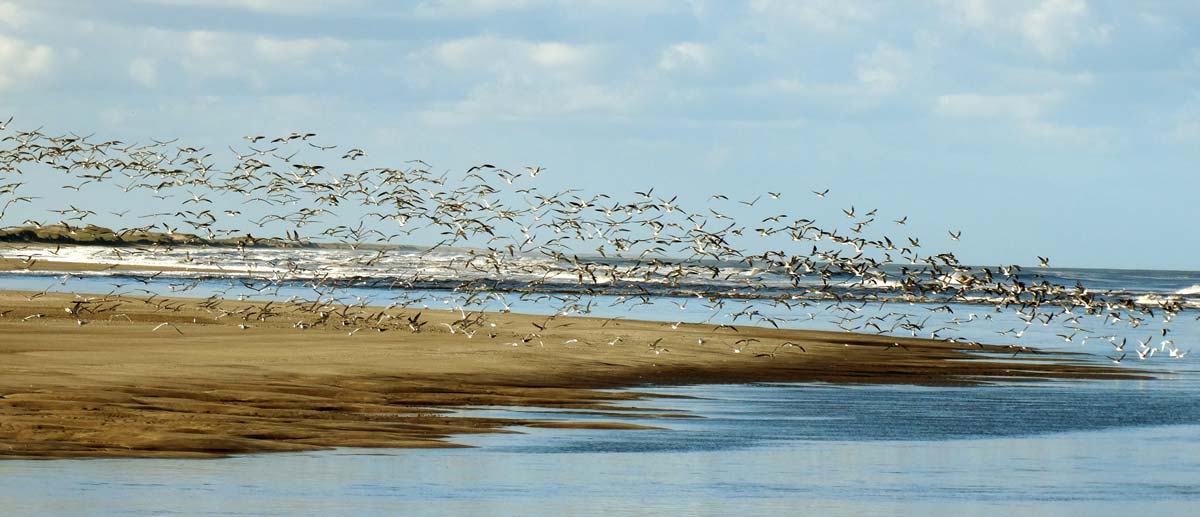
x=1193, y=290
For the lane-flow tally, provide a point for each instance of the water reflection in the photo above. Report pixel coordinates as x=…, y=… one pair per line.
x=1054, y=448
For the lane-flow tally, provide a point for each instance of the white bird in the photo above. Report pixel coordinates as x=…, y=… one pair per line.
x=166, y=324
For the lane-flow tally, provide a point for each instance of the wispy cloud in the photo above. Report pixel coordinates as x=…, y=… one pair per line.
x=1051, y=28
x=144, y=72
x=821, y=15
x=510, y=59
x=469, y=8
x=297, y=51
x=976, y=105
x=515, y=79
x=1054, y=27
x=21, y=61
x=884, y=69
x=1029, y=113
x=284, y=7
x=686, y=55
x=493, y=102
x=1185, y=122
x=13, y=15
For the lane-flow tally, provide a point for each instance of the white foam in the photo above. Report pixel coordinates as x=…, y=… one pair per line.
x=1160, y=300
x=869, y=283
x=1193, y=290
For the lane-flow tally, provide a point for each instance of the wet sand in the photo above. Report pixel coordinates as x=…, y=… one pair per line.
x=203, y=387
x=64, y=266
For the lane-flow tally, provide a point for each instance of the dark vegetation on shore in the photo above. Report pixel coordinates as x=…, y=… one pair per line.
x=99, y=235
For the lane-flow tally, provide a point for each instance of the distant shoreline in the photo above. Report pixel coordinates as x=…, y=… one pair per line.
x=57, y=235
x=109, y=385
x=92, y=235
x=100, y=236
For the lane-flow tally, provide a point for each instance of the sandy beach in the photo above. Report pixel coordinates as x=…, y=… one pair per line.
x=203, y=386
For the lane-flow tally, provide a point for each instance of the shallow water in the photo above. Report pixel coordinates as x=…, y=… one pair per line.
x=1051, y=448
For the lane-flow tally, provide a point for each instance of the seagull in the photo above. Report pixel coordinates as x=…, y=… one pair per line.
x=789, y=344
x=166, y=324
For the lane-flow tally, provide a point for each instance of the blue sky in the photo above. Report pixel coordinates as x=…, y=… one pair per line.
x=1061, y=128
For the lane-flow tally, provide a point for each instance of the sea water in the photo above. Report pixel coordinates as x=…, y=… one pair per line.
x=1049, y=449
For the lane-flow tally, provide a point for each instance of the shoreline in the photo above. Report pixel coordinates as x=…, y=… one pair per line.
x=201, y=386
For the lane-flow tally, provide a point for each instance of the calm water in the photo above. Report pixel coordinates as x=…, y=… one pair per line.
x=1041, y=449
x=1056, y=448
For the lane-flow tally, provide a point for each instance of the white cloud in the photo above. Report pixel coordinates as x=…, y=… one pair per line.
x=144, y=72
x=557, y=54
x=466, y=8
x=441, y=9
x=21, y=61
x=796, y=96
x=1185, y=127
x=296, y=50
x=821, y=15
x=258, y=61
x=513, y=79
x=1186, y=131
x=13, y=15
x=1027, y=112
x=223, y=48
x=686, y=56
x=285, y=7
x=878, y=74
x=1051, y=28
x=207, y=44
x=1056, y=26
x=974, y=12
x=512, y=59
x=207, y=54
x=882, y=70
x=530, y=102
x=497, y=78
x=974, y=105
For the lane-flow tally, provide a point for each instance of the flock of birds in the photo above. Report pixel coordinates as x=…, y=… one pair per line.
x=569, y=248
